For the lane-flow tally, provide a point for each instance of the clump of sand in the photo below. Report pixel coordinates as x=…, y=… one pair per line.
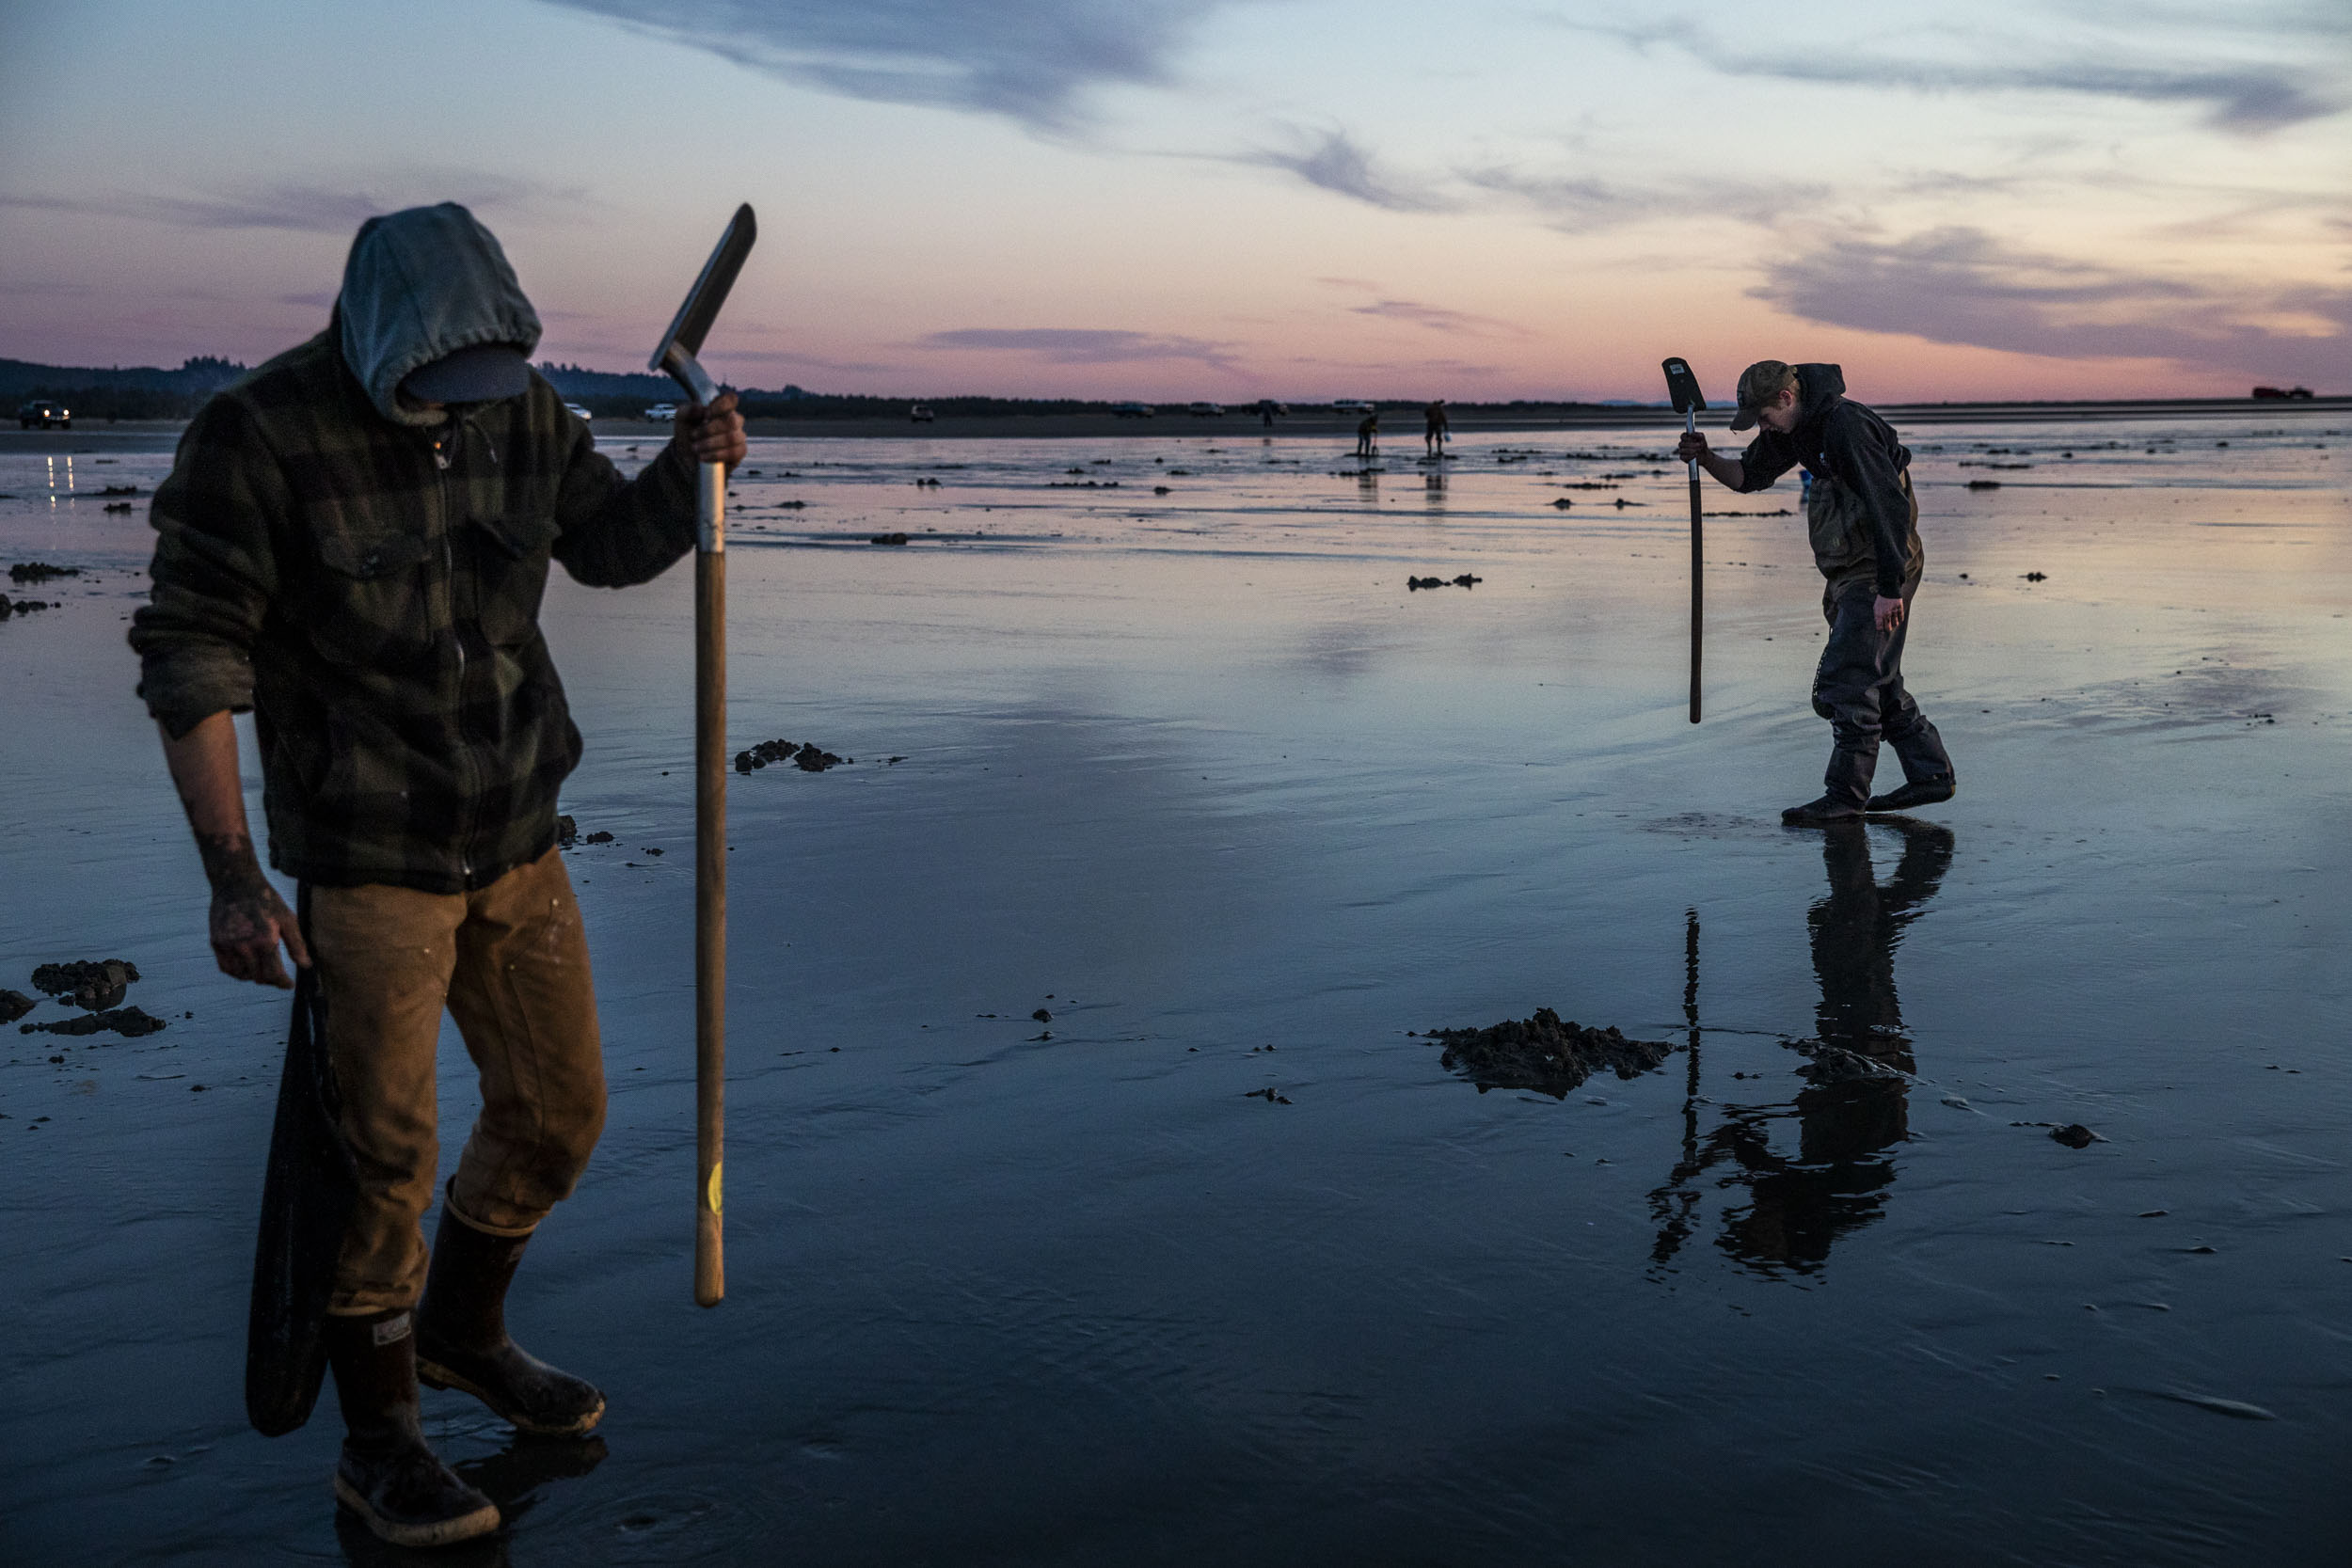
x=1544, y=1053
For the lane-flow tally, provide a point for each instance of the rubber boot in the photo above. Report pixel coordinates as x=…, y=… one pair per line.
x=1918, y=792
x=387, y=1476
x=1820, y=813
x=462, y=1341
x=1845, y=785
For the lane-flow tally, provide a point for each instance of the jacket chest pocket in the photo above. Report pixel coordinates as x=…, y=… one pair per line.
x=510, y=554
x=1833, y=520
x=373, y=603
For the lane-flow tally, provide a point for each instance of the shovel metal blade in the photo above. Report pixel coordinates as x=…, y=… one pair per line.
x=675, y=356
x=1683, y=388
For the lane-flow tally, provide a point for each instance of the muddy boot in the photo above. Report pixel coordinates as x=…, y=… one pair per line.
x=1920, y=792
x=397, y=1486
x=462, y=1341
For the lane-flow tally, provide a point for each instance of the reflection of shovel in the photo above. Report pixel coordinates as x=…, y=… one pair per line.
x=1684, y=388
x=676, y=356
x=1675, y=1203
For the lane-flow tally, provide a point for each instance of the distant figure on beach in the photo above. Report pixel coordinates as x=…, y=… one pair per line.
x=1864, y=521
x=1434, y=433
x=352, y=546
x=1368, y=435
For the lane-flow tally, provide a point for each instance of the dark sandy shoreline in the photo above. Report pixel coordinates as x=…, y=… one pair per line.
x=1398, y=426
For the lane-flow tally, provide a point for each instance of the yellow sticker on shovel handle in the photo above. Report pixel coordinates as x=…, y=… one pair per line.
x=711, y=1195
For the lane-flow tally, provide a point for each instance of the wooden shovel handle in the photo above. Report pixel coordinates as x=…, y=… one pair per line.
x=710, y=882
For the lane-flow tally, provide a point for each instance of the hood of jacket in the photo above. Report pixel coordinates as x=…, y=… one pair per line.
x=419, y=285
x=1819, y=389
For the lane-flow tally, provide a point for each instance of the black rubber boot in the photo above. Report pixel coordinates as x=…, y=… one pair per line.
x=462, y=1341
x=1921, y=792
x=1820, y=813
x=387, y=1476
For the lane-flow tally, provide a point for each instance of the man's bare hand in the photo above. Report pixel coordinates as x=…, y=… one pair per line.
x=249, y=919
x=247, y=928
x=1730, y=471
x=712, y=433
x=1888, y=612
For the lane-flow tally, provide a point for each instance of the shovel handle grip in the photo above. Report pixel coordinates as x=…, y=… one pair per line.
x=710, y=882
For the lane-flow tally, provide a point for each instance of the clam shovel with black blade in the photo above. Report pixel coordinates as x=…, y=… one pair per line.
x=675, y=358
x=1684, y=388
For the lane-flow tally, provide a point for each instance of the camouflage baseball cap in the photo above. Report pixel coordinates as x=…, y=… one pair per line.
x=1759, y=384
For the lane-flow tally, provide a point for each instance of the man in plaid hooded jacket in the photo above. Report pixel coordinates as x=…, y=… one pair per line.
x=352, y=546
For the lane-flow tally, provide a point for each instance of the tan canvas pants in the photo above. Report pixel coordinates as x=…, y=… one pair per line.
x=511, y=964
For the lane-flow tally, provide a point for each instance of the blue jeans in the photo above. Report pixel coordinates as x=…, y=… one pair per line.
x=1859, y=689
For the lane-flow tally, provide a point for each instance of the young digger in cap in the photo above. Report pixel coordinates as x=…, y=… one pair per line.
x=352, y=545
x=1865, y=526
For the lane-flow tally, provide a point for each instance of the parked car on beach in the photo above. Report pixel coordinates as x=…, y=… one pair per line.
x=578, y=412
x=1205, y=410
x=1132, y=410
x=921, y=414
x=1351, y=406
x=43, y=413
x=2282, y=391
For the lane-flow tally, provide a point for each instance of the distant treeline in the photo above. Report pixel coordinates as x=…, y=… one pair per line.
x=149, y=393
x=140, y=392
x=611, y=396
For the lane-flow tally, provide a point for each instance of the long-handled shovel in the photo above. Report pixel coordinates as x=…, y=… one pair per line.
x=676, y=356
x=1684, y=388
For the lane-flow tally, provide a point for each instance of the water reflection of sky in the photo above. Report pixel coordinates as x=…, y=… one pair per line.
x=1198, y=774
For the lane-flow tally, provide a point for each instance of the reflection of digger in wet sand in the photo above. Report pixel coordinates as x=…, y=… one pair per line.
x=1855, y=1106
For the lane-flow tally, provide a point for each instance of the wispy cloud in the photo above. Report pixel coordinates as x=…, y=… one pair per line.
x=2244, y=96
x=1961, y=285
x=1331, y=160
x=313, y=208
x=1354, y=369
x=789, y=359
x=2297, y=23
x=1586, y=204
x=1438, y=319
x=1029, y=60
x=1080, y=345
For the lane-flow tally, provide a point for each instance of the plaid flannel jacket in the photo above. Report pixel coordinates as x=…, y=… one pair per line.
x=370, y=591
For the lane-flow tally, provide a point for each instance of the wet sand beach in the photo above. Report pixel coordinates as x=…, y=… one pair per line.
x=1220, y=1260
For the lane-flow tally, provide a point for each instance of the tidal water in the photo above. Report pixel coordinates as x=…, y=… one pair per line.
x=1198, y=776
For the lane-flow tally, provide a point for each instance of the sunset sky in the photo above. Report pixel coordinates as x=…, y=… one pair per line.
x=1224, y=198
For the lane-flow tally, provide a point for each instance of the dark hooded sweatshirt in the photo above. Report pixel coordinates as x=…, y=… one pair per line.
x=366, y=577
x=1864, y=523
